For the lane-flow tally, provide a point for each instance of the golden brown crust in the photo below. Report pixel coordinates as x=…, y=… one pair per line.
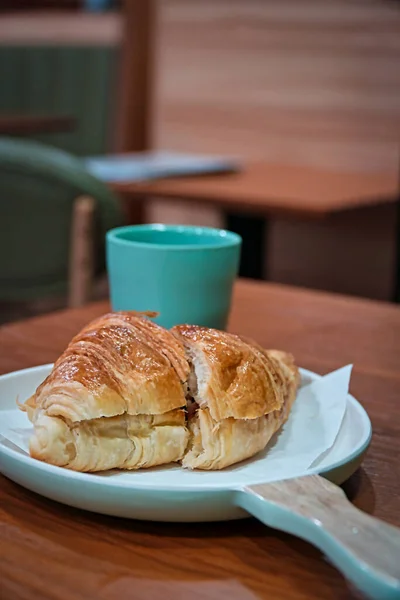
x=235, y=378
x=218, y=444
x=119, y=363
x=290, y=377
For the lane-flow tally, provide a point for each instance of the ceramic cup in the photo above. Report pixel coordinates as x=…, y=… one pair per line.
x=185, y=273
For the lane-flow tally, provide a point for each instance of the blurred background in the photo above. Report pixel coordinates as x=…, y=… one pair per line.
x=304, y=95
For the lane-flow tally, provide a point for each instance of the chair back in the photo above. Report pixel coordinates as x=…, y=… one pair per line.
x=38, y=186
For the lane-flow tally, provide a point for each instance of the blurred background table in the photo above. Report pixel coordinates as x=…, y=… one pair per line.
x=263, y=190
x=26, y=125
x=52, y=551
x=266, y=189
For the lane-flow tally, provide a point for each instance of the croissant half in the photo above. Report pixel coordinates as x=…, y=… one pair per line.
x=244, y=395
x=128, y=394
x=114, y=398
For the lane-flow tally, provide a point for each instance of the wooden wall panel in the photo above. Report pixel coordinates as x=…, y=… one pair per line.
x=308, y=82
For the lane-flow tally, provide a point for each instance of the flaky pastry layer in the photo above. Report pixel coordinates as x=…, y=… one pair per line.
x=121, y=442
x=119, y=363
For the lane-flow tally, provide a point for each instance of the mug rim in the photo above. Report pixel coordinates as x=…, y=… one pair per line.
x=229, y=239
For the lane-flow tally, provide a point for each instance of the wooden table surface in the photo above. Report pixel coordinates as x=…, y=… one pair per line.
x=51, y=551
x=268, y=189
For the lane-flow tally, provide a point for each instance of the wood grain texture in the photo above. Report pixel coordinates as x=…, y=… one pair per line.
x=267, y=189
x=89, y=556
x=326, y=514
x=304, y=82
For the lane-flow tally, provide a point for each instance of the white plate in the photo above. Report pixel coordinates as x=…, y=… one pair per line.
x=168, y=493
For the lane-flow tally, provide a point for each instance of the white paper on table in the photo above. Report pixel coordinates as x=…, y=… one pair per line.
x=147, y=166
x=309, y=433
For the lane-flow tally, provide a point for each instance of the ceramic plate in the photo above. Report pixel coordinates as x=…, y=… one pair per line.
x=167, y=493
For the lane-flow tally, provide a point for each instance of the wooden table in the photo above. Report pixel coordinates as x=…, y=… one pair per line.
x=34, y=124
x=264, y=190
x=54, y=552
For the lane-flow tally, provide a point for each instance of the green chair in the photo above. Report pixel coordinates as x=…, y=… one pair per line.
x=41, y=221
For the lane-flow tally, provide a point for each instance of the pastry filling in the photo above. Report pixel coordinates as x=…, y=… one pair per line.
x=191, y=405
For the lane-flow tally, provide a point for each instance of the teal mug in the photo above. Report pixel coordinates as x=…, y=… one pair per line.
x=185, y=273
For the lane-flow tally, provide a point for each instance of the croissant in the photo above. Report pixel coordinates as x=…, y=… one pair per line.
x=128, y=394
x=114, y=398
x=242, y=393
